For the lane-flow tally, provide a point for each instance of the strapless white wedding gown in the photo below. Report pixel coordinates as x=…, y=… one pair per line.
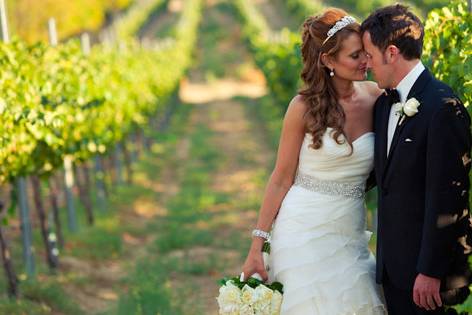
x=319, y=244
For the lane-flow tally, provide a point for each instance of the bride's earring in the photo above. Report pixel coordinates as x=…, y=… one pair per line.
x=331, y=74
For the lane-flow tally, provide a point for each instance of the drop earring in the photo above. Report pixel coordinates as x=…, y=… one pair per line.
x=331, y=74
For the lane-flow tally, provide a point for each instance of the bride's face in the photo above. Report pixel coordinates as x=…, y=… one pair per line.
x=351, y=62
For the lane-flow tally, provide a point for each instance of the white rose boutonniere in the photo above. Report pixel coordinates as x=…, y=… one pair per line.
x=410, y=108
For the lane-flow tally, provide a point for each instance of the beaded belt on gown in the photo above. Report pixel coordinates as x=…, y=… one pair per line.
x=329, y=187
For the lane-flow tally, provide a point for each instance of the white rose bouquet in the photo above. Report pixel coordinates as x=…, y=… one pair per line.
x=250, y=297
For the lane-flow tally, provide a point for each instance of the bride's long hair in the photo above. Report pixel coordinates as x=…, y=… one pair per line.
x=318, y=91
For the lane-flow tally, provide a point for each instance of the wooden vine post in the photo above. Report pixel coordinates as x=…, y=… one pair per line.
x=68, y=159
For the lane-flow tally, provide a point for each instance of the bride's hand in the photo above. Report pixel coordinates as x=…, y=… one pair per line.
x=254, y=264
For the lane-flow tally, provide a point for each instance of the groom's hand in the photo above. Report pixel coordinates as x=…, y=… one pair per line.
x=426, y=292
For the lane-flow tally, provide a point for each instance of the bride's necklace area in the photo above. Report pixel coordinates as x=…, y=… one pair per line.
x=349, y=102
x=349, y=95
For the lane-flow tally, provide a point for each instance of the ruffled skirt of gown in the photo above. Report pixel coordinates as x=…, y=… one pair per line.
x=319, y=252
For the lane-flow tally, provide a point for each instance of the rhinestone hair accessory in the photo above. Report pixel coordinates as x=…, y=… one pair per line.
x=339, y=25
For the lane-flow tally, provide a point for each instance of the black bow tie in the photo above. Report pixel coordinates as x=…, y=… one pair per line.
x=393, y=96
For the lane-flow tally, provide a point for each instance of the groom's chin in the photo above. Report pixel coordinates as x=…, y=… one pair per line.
x=382, y=86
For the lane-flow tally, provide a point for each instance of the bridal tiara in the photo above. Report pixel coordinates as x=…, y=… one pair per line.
x=339, y=25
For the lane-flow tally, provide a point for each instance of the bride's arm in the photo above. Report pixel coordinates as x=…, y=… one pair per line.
x=280, y=181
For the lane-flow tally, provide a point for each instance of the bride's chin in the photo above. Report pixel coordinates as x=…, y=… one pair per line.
x=356, y=77
x=361, y=77
x=364, y=75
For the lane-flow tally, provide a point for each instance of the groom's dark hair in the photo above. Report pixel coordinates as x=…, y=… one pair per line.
x=396, y=25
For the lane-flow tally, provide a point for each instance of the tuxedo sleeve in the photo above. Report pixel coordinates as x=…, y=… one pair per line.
x=372, y=179
x=447, y=186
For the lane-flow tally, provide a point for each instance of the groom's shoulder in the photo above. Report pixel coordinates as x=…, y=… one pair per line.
x=441, y=98
x=439, y=92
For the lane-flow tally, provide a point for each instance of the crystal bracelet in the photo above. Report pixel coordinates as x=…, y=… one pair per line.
x=260, y=233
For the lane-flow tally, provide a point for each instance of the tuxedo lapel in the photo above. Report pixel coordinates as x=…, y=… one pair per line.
x=415, y=91
x=396, y=135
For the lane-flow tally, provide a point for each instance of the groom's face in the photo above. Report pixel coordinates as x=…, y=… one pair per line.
x=376, y=62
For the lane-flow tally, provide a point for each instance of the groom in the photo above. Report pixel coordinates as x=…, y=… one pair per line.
x=422, y=161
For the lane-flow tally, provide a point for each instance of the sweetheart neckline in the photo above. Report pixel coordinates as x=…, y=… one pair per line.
x=353, y=142
x=361, y=136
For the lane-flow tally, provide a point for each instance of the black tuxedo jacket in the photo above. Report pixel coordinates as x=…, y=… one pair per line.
x=423, y=189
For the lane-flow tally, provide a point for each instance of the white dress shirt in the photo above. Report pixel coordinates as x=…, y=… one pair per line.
x=403, y=89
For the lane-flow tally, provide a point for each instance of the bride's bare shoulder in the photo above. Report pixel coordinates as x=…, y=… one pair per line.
x=297, y=105
x=298, y=100
x=295, y=114
x=372, y=89
x=372, y=92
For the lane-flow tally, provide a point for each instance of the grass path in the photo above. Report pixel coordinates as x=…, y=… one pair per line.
x=209, y=169
x=185, y=221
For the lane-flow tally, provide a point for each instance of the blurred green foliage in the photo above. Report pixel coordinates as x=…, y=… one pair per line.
x=29, y=17
x=448, y=47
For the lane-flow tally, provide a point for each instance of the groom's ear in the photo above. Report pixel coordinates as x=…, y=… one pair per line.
x=392, y=53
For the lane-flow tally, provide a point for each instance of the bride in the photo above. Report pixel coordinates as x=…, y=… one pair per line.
x=315, y=196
